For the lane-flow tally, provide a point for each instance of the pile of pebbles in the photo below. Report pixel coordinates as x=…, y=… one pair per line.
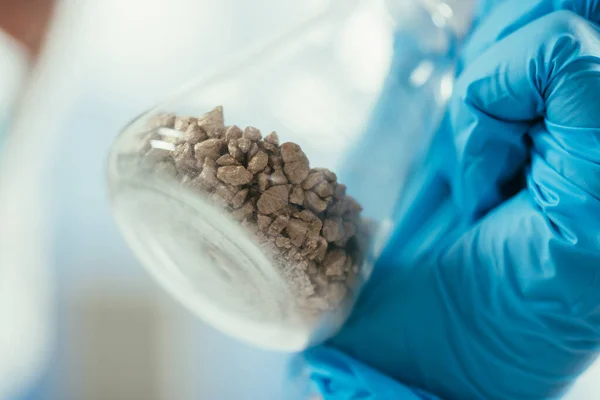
x=301, y=216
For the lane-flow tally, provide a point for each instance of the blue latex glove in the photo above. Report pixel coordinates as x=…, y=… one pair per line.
x=490, y=286
x=335, y=375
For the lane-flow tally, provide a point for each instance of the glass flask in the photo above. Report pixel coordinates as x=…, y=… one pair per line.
x=261, y=197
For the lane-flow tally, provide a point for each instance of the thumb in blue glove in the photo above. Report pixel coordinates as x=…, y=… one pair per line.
x=470, y=303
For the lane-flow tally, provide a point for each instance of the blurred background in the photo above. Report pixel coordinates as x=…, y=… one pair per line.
x=79, y=317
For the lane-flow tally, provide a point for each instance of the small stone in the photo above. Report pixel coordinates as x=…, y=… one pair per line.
x=215, y=132
x=264, y=222
x=244, y=144
x=292, y=254
x=258, y=162
x=183, y=155
x=263, y=181
x=306, y=251
x=336, y=291
x=239, y=198
x=323, y=189
x=297, y=230
x=271, y=148
x=296, y=171
x=352, y=205
x=278, y=225
x=234, y=150
x=340, y=190
x=226, y=160
x=208, y=176
x=314, y=230
x=194, y=134
x=337, y=208
x=290, y=209
x=321, y=249
x=199, y=163
x=226, y=192
x=297, y=195
x=183, y=123
x=233, y=133
x=314, y=202
x=306, y=215
x=349, y=229
x=235, y=175
x=292, y=152
x=209, y=148
x=283, y=242
x=251, y=133
x=295, y=163
x=272, y=138
x=333, y=229
x=212, y=119
x=313, y=180
x=244, y=211
x=273, y=199
x=278, y=178
x=329, y=176
x=253, y=150
x=334, y=262
x=275, y=162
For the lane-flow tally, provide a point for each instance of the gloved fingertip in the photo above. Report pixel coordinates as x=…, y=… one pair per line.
x=337, y=376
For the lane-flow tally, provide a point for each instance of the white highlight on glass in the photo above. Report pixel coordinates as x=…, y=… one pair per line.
x=421, y=73
x=446, y=86
x=159, y=144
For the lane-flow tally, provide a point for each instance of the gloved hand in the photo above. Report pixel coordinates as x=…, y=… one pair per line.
x=490, y=285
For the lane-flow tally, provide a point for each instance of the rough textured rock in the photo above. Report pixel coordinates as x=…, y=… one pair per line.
x=235, y=175
x=278, y=225
x=273, y=199
x=233, y=133
x=314, y=202
x=333, y=229
x=252, y=134
x=258, y=162
x=209, y=148
x=297, y=195
x=297, y=230
x=302, y=217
